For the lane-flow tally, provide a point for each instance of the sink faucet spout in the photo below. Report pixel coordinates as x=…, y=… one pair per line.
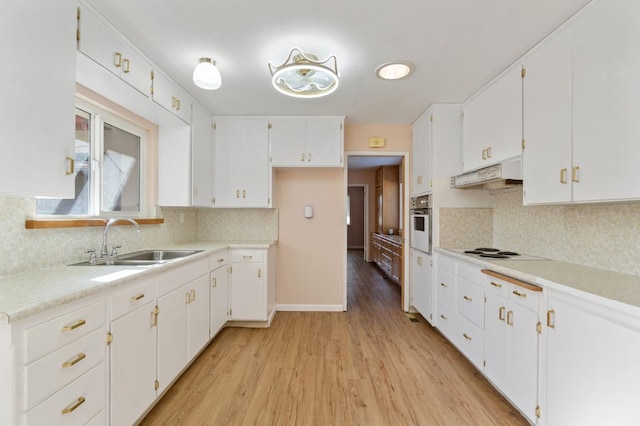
x=105, y=251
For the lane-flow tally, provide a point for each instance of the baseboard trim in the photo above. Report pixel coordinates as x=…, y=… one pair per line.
x=310, y=308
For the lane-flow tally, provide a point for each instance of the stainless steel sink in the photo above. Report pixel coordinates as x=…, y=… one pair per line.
x=142, y=258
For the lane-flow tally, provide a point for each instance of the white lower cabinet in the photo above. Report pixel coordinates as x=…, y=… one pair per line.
x=253, y=284
x=219, y=293
x=421, y=288
x=591, y=367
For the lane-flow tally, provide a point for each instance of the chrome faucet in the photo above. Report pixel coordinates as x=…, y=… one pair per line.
x=105, y=251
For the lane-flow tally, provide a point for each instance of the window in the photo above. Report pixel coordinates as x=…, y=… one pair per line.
x=109, y=166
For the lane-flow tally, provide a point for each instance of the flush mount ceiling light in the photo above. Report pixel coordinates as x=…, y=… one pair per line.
x=206, y=75
x=394, y=70
x=303, y=76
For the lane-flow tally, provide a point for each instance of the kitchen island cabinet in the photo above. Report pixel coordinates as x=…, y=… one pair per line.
x=37, y=118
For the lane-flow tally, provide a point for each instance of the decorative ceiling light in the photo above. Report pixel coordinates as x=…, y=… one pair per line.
x=394, y=70
x=303, y=76
x=206, y=75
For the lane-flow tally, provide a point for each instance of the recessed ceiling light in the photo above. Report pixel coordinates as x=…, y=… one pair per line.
x=394, y=70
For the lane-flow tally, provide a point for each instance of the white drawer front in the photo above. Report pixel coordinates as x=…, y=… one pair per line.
x=497, y=286
x=99, y=420
x=45, y=338
x=75, y=404
x=446, y=263
x=448, y=322
x=470, y=302
x=174, y=278
x=470, y=272
x=525, y=297
x=247, y=255
x=218, y=260
x=446, y=286
x=53, y=372
x=470, y=342
x=134, y=296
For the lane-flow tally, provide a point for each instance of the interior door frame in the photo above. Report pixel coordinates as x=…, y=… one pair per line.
x=365, y=189
x=405, y=220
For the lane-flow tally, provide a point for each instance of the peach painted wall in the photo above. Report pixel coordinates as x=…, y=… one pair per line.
x=311, y=262
x=311, y=256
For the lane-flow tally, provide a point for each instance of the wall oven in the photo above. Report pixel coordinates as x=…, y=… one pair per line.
x=420, y=218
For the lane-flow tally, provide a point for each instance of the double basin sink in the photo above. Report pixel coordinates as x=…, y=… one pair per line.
x=141, y=258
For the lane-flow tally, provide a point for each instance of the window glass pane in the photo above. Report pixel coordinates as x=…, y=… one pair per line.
x=80, y=204
x=120, y=170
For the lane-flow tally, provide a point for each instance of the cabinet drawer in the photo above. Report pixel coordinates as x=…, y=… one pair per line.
x=470, y=272
x=181, y=275
x=497, y=286
x=99, y=420
x=446, y=288
x=53, y=372
x=218, y=259
x=447, y=322
x=47, y=337
x=447, y=263
x=470, y=342
x=470, y=301
x=525, y=297
x=247, y=255
x=133, y=297
x=76, y=404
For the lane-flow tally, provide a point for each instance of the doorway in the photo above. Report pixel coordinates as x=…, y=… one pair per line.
x=360, y=171
x=357, y=202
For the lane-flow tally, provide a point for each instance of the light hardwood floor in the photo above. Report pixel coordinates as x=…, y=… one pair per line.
x=367, y=366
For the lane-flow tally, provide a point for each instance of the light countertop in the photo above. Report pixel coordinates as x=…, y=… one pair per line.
x=615, y=289
x=32, y=292
x=391, y=237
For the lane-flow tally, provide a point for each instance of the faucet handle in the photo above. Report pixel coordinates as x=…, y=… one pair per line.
x=114, y=250
x=92, y=256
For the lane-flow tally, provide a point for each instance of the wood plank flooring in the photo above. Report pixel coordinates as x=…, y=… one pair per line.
x=367, y=366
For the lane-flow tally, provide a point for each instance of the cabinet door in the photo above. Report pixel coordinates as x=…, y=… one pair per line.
x=492, y=122
x=172, y=335
x=522, y=364
x=219, y=299
x=548, y=129
x=324, y=142
x=38, y=86
x=171, y=97
x=421, y=284
x=606, y=90
x=133, y=365
x=287, y=139
x=198, y=314
x=248, y=292
x=421, y=155
x=201, y=157
x=495, y=340
x=592, y=370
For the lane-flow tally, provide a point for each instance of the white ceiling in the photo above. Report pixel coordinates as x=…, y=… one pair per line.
x=456, y=45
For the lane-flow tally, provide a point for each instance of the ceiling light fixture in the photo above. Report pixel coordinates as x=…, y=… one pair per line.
x=303, y=76
x=394, y=70
x=206, y=75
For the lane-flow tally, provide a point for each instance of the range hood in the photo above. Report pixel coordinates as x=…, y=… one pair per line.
x=497, y=176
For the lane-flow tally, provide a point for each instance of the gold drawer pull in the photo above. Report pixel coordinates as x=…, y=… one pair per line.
x=73, y=326
x=489, y=152
x=467, y=298
x=443, y=317
x=72, y=166
x=496, y=285
x=74, y=361
x=221, y=260
x=117, y=59
x=517, y=293
x=444, y=285
x=484, y=154
x=501, y=313
x=466, y=336
x=302, y=156
x=574, y=174
x=193, y=295
x=137, y=297
x=551, y=319
x=247, y=257
x=154, y=317
x=73, y=406
x=214, y=282
x=510, y=318
x=563, y=176
x=126, y=66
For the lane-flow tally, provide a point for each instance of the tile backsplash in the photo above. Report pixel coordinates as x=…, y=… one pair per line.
x=465, y=227
x=238, y=224
x=604, y=236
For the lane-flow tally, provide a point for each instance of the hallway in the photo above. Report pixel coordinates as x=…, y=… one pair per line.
x=367, y=366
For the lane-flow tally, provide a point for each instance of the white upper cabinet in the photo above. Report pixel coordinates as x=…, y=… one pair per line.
x=548, y=130
x=581, y=110
x=242, y=175
x=101, y=44
x=38, y=85
x=421, y=154
x=170, y=96
x=492, y=124
x=306, y=141
x=201, y=157
x=606, y=107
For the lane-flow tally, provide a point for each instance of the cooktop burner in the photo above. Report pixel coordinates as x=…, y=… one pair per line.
x=487, y=249
x=497, y=254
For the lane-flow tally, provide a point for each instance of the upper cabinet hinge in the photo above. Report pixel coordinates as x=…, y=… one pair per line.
x=539, y=328
x=538, y=411
x=156, y=385
x=269, y=126
x=215, y=126
x=340, y=126
x=78, y=27
x=523, y=73
x=152, y=74
x=431, y=117
x=230, y=269
x=109, y=338
x=523, y=143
